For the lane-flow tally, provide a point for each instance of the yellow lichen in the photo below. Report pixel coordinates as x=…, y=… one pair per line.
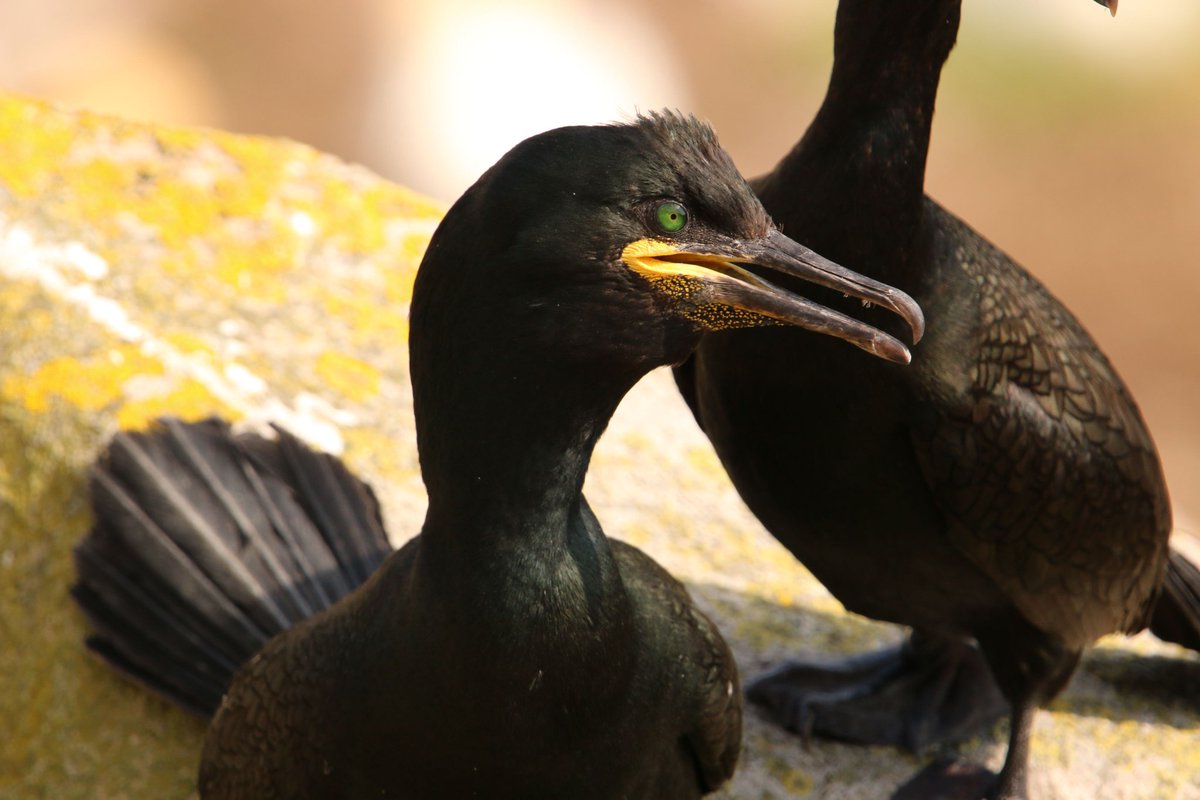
x=35, y=143
x=398, y=464
x=795, y=781
x=89, y=385
x=398, y=285
x=254, y=271
x=703, y=459
x=36, y=320
x=186, y=342
x=178, y=212
x=190, y=400
x=348, y=376
x=368, y=317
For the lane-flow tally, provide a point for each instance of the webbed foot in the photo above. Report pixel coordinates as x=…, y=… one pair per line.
x=924, y=693
x=949, y=779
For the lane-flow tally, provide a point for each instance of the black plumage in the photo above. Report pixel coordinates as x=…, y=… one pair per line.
x=207, y=545
x=1003, y=489
x=511, y=650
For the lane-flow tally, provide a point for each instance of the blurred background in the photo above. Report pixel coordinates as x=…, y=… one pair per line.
x=1069, y=138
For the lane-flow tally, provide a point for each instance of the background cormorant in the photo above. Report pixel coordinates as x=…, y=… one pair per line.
x=1003, y=489
x=510, y=650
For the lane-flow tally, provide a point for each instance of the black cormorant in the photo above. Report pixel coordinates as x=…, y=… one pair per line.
x=1003, y=488
x=511, y=650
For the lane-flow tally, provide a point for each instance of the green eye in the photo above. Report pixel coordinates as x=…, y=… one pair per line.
x=671, y=217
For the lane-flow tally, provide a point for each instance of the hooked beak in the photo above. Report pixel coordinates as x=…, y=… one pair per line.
x=714, y=291
x=1111, y=5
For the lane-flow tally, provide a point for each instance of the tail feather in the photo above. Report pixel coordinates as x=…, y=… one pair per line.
x=145, y=545
x=307, y=546
x=206, y=545
x=254, y=557
x=148, y=633
x=112, y=598
x=1177, y=615
x=149, y=647
x=353, y=509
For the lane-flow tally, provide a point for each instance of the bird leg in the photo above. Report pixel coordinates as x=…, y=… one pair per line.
x=928, y=691
x=1013, y=782
x=952, y=779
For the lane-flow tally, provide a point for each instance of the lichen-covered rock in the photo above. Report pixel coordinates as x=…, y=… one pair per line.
x=144, y=271
x=147, y=270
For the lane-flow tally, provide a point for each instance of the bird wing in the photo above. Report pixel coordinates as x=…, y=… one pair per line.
x=715, y=740
x=1044, y=469
x=698, y=662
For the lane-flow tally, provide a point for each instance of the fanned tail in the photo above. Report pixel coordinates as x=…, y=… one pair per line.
x=1177, y=615
x=206, y=545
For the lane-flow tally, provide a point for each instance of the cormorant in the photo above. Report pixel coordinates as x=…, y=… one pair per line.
x=511, y=650
x=1003, y=489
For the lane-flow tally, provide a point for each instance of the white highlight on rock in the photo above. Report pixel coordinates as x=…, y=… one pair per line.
x=302, y=224
x=90, y=265
x=245, y=380
x=21, y=256
x=49, y=265
x=230, y=327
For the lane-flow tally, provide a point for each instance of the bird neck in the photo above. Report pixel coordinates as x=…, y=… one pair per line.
x=505, y=438
x=862, y=161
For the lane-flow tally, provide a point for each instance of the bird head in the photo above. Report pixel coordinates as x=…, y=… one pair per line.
x=627, y=242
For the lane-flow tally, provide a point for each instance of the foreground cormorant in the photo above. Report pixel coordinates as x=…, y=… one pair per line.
x=511, y=650
x=1003, y=488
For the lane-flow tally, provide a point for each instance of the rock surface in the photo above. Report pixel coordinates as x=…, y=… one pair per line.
x=148, y=270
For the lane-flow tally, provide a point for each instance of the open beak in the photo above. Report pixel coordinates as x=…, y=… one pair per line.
x=706, y=281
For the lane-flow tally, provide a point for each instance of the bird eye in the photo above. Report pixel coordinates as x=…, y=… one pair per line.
x=671, y=216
